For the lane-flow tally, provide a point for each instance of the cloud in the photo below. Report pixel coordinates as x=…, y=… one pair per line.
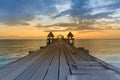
x=15, y=23
x=74, y=26
x=63, y=7
x=89, y=9
x=82, y=25
x=20, y=12
x=99, y=11
x=116, y=14
x=100, y=3
x=89, y=31
x=24, y=10
x=58, y=30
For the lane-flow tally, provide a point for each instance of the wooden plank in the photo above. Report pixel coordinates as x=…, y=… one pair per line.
x=68, y=55
x=64, y=68
x=68, y=58
x=104, y=76
x=74, y=55
x=21, y=69
x=106, y=64
x=88, y=63
x=7, y=69
x=41, y=72
x=84, y=56
x=90, y=68
x=26, y=75
x=80, y=55
x=56, y=62
x=52, y=73
x=89, y=72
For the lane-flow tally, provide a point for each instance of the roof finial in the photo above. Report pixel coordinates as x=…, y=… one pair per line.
x=70, y=34
x=51, y=35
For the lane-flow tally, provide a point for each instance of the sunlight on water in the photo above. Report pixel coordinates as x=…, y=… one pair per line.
x=107, y=50
x=11, y=50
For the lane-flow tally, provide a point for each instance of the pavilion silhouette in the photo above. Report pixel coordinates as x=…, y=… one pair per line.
x=51, y=38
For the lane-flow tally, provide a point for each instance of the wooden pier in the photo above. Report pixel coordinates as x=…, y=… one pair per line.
x=59, y=61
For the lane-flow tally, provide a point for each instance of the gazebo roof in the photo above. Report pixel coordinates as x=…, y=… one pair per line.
x=50, y=34
x=70, y=34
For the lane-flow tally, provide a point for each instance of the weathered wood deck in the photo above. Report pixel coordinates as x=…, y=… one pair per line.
x=59, y=61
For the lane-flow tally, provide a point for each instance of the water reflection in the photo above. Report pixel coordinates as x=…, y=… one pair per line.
x=107, y=50
x=11, y=50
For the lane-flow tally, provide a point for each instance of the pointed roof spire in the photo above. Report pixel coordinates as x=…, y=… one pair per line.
x=50, y=34
x=70, y=34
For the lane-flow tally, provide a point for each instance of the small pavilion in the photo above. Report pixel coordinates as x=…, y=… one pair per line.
x=50, y=38
x=70, y=38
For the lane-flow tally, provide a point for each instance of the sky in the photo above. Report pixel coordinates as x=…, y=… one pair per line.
x=34, y=19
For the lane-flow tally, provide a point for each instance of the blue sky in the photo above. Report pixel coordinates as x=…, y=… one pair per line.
x=52, y=13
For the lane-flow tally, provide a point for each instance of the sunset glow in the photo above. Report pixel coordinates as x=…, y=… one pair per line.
x=33, y=19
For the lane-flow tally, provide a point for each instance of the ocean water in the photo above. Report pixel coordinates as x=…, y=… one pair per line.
x=11, y=50
x=107, y=50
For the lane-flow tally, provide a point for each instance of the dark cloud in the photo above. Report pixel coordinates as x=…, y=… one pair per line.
x=79, y=25
x=77, y=9
x=16, y=11
x=90, y=31
x=81, y=9
x=74, y=26
x=58, y=30
x=17, y=22
x=24, y=10
x=42, y=26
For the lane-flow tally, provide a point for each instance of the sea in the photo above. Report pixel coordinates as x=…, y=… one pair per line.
x=107, y=50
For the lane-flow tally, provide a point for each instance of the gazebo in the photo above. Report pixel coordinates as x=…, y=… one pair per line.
x=70, y=35
x=70, y=38
x=50, y=38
